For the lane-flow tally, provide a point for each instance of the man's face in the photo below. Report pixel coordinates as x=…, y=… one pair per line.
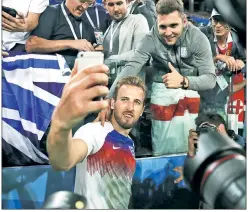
x=78, y=7
x=128, y=106
x=220, y=27
x=117, y=9
x=171, y=26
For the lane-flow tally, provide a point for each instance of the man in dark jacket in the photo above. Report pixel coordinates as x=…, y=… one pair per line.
x=62, y=30
x=98, y=20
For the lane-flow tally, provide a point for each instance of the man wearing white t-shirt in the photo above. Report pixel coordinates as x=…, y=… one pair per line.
x=104, y=155
x=17, y=29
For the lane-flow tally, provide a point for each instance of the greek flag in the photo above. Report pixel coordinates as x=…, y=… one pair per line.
x=32, y=85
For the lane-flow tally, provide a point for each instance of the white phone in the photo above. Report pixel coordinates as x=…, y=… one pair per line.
x=88, y=59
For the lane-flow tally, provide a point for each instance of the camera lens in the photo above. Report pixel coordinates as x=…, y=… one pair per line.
x=218, y=171
x=228, y=190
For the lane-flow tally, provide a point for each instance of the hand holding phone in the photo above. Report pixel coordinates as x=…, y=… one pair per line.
x=88, y=59
x=12, y=21
x=78, y=96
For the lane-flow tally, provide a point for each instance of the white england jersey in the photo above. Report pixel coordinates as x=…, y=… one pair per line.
x=105, y=175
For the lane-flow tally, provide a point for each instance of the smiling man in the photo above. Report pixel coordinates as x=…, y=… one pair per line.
x=104, y=155
x=62, y=30
x=182, y=65
x=173, y=41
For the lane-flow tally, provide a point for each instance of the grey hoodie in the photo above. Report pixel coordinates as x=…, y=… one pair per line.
x=191, y=56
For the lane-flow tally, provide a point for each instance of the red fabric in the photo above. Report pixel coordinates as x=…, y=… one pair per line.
x=166, y=113
x=227, y=51
x=114, y=162
x=238, y=99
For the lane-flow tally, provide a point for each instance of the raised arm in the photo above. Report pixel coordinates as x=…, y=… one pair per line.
x=64, y=151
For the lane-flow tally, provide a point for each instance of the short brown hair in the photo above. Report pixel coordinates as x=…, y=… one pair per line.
x=165, y=7
x=130, y=80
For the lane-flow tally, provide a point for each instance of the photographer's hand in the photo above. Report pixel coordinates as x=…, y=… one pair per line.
x=192, y=140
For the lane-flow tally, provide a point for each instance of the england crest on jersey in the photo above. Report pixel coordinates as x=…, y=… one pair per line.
x=132, y=150
x=183, y=52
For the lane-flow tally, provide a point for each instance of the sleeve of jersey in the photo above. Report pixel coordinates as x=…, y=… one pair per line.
x=38, y=6
x=93, y=134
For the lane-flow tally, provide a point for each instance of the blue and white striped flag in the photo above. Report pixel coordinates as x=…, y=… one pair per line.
x=31, y=88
